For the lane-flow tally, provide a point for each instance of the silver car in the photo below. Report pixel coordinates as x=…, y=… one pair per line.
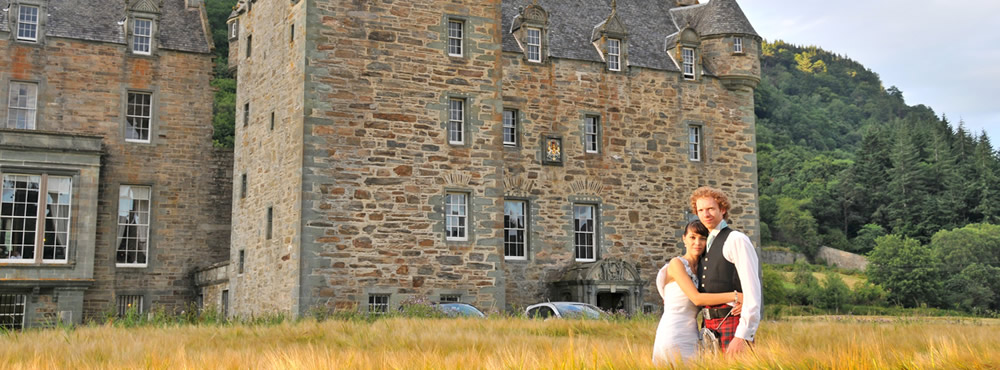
x=455, y=309
x=564, y=310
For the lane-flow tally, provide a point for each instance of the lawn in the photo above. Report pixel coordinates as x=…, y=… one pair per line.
x=398, y=343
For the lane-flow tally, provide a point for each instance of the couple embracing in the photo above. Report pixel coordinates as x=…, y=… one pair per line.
x=718, y=274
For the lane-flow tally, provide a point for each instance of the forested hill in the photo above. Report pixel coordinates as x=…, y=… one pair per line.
x=843, y=160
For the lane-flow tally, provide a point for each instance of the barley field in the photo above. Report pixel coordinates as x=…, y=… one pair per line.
x=505, y=343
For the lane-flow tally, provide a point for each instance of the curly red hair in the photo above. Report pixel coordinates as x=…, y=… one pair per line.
x=710, y=192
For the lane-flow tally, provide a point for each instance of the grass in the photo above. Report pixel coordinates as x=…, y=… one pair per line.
x=422, y=343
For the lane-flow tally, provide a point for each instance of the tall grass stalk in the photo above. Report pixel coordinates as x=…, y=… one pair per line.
x=422, y=343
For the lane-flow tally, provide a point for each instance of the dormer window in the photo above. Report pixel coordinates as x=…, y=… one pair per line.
x=534, y=42
x=142, y=36
x=738, y=45
x=688, y=59
x=27, y=23
x=615, y=54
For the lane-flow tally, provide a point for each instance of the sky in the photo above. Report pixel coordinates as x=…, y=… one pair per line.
x=944, y=54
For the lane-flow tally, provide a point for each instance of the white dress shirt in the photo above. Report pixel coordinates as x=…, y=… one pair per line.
x=740, y=251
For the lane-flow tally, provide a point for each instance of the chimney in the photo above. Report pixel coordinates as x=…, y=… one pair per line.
x=686, y=2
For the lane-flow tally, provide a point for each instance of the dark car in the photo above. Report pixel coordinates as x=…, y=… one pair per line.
x=455, y=309
x=564, y=310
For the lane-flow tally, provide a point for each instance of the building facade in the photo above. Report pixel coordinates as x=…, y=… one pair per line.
x=112, y=192
x=495, y=152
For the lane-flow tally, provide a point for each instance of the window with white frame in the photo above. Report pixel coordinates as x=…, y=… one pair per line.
x=510, y=127
x=456, y=121
x=128, y=304
x=615, y=54
x=456, y=216
x=133, y=226
x=737, y=44
x=138, y=116
x=591, y=126
x=585, y=239
x=455, y=38
x=534, y=42
x=24, y=210
x=142, y=36
x=378, y=303
x=451, y=298
x=27, y=23
x=515, y=229
x=56, y=218
x=687, y=55
x=12, y=311
x=694, y=143
x=19, y=217
x=22, y=105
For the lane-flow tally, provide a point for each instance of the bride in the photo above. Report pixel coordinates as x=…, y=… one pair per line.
x=677, y=334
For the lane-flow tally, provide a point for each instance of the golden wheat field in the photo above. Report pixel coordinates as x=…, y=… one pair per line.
x=505, y=343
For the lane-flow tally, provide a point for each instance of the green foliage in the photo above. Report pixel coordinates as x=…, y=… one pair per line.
x=224, y=103
x=773, y=286
x=835, y=293
x=906, y=269
x=867, y=294
x=795, y=225
x=865, y=241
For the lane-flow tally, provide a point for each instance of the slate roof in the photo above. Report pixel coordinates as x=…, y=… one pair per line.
x=180, y=28
x=649, y=24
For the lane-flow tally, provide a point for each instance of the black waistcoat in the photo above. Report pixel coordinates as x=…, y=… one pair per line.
x=717, y=274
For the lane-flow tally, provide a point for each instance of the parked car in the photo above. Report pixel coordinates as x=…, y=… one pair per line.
x=564, y=310
x=455, y=309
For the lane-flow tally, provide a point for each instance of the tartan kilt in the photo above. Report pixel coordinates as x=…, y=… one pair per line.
x=724, y=328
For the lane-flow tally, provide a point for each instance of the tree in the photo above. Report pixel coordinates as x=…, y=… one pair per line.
x=906, y=269
x=835, y=292
x=794, y=225
x=865, y=241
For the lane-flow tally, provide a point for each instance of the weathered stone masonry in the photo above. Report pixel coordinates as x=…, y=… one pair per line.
x=360, y=166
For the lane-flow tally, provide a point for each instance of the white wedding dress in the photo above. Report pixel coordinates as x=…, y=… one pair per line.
x=677, y=334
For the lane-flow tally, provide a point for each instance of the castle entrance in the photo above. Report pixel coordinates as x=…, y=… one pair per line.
x=611, y=284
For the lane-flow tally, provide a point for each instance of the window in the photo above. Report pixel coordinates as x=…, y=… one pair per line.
x=243, y=186
x=129, y=305
x=133, y=226
x=20, y=218
x=22, y=105
x=58, y=202
x=515, y=235
x=233, y=30
x=272, y=121
x=224, y=302
x=243, y=259
x=688, y=56
x=694, y=143
x=138, y=115
x=455, y=35
x=456, y=121
x=590, y=130
x=27, y=23
x=451, y=298
x=249, y=45
x=614, y=54
x=583, y=227
x=291, y=33
x=509, y=127
x=378, y=303
x=246, y=114
x=12, y=311
x=534, y=41
x=270, y=221
x=142, y=36
x=456, y=216
x=738, y=45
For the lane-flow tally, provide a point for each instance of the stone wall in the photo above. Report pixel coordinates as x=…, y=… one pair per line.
x=641, y=178
x=377, y=160
x=82, y=90
x=827, y=255
x=268, y=151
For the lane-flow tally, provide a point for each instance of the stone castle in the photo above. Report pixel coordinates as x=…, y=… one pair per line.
x=498, y=153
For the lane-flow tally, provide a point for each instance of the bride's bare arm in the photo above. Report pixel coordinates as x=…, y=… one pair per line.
x=661, y=281
x=676, y=271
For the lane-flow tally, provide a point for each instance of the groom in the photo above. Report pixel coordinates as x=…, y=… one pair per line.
x=729, y=264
